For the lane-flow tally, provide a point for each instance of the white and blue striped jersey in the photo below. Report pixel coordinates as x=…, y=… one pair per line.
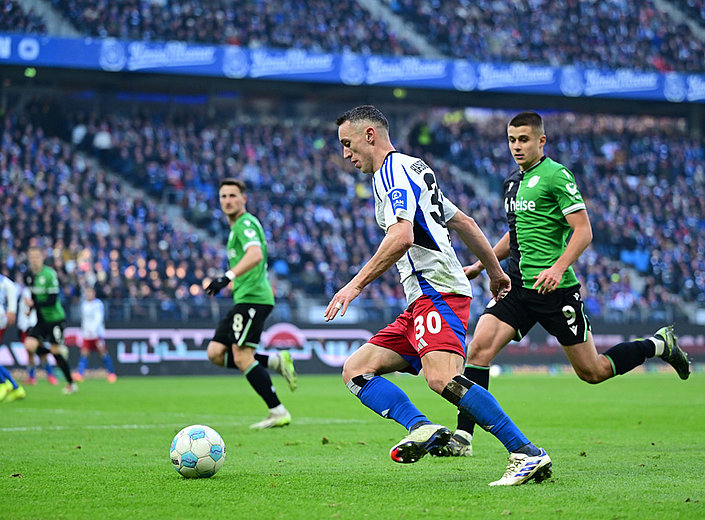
x=92, y=319
x=26, y=320
x=405, y=187
x=8, y=299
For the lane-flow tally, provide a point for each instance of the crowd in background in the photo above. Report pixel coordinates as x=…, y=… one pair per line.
x=613, y=33
x=15, y=19
x=643, y=181
x=643, y=178
x=695, y=10
x=314, y=25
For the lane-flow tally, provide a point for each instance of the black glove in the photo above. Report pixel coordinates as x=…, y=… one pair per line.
x=217, y=284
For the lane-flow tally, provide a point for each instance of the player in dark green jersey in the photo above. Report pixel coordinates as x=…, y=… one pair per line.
x=44, y=284
x=238, y=334
x=544, y=207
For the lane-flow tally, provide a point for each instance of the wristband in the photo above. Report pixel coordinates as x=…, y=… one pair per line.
x=230, y=275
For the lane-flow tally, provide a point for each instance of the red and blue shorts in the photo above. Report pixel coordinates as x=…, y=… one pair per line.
x=94, y=345
x=438, y=322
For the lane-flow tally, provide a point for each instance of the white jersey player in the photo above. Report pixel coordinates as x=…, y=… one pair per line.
x=8, y=303
x=92, y=317
x=26, y=315
x=405, y=188
x=93, y=332
x=430, y=333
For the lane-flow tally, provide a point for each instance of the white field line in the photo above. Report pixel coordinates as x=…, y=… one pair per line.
x=298, y=420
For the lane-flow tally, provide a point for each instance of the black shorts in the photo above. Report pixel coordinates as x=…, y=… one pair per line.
x=243, y=325
x=560, y=312
x=51, y=331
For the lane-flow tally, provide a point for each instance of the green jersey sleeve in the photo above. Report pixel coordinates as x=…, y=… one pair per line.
x=566, y=191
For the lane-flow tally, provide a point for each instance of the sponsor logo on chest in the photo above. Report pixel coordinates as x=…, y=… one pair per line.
x=512, y=204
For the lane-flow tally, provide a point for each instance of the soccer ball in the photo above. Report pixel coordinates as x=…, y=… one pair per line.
x=197, y=451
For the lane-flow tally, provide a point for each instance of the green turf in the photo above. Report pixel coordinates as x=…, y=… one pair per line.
x=629, y=448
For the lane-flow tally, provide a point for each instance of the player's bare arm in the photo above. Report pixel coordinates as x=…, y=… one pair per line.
x=11, y=318
x=501, y=251
x=477, y=242
x=252, y=257
x=398, y=240
x=549, y=279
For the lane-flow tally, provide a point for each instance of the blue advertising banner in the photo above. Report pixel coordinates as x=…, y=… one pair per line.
x=224, y=61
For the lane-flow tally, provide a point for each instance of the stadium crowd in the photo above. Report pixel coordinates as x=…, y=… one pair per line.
x=13, y=18
x=613, y=34
x=94, y=232
x=313, y=25
x=320, y=220
x=695, y=9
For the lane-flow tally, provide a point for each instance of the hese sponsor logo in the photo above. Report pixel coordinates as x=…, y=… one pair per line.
x=519, y=205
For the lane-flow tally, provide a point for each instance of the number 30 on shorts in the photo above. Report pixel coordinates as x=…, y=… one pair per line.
x=433, y=323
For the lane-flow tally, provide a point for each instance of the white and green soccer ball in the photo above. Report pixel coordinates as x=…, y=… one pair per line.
x=197, y=451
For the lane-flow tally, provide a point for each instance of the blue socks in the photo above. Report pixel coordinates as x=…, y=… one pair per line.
x=474, y=400
x=5, y=376
x=387, y=399
x=482, y=405
x=32, y=371
x=82, y=364
x=108, y=363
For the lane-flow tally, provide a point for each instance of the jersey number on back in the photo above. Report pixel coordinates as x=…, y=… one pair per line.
x=437, y=214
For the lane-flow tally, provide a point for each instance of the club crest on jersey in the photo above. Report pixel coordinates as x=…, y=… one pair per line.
x=398, y=199
x=533, y=181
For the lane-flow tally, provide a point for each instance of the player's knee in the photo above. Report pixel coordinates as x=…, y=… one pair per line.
x=31, y=344
x=216, y=353
x=480, y=353
x=243, y=357
x=349, y=371
x=437, y=381
x=356, y=365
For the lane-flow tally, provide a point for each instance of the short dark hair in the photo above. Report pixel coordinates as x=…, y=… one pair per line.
x=531, y=119
x=230, y=181
x=364, y=113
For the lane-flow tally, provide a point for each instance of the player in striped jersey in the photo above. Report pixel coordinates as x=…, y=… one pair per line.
x=430, y=334
x=93, y=334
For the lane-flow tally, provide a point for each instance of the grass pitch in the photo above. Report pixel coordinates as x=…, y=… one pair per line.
x=629, y=448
